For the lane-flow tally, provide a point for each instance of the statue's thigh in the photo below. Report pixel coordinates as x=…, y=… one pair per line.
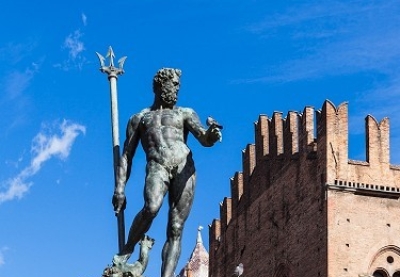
x=156, y=184
x=181, y=197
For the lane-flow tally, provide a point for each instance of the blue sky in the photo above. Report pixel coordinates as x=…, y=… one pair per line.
x=239, y=59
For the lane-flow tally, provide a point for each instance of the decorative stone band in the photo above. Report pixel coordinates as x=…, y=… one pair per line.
x=365, y=189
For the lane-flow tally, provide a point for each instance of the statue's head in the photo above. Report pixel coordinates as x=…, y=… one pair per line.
x=166, y=85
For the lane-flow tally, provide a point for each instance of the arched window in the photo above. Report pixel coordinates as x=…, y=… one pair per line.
x=379, y=273
x=387, y=257
x=396, y=274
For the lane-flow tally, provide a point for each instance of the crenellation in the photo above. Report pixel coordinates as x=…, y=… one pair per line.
x=214, y=239
x=296, y=133
x=276, y=135
x=377, y=141
x=321, y=145
x=300, y=211
x=215, y=231
x=307, y=130
x=222, y=216
x=291, y=134
x=225, y=212
x=262, y=136
x=249, y=162
x=342, y=121
x=332, y=139
x=236, y=190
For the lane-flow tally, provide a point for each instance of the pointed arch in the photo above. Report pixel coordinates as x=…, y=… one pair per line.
x=386, y=257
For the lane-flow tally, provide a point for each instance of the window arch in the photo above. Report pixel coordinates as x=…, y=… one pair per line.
x=380, y=273
x=386, y=262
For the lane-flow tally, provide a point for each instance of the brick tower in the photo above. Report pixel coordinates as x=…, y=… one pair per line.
x=300, y=207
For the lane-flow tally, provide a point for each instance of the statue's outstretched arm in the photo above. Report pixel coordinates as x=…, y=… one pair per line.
x=205, y=137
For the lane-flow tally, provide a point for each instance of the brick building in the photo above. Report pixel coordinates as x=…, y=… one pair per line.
x=300, y=207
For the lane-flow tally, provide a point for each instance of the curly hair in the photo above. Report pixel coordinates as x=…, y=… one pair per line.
x=165, y=74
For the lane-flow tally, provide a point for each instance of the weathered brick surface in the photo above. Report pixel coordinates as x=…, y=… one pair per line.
x=301, y=208
x=358, y=227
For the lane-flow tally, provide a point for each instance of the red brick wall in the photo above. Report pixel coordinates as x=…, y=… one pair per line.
x=301, y=208
x=277, y=218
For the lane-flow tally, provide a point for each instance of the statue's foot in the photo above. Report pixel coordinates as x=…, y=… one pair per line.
x=120, y=259
x=118, y=271
x=112, y=271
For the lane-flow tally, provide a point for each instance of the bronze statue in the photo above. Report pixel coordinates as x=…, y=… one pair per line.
x=162, y=130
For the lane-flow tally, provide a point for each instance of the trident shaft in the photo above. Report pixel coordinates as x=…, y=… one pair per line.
x=113, y=73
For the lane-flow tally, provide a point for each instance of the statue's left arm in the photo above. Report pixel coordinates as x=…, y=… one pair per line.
x=207, y=137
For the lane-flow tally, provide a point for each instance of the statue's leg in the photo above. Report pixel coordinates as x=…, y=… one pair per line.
x=180, y=200
x=156, y=186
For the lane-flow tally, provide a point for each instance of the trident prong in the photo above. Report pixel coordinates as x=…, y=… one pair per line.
x=101, y=59
x=111, y=70
x=111, y=54
x=121, y=62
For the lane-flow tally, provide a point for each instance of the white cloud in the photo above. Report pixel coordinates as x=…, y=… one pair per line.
x=74, y=44
x=17, y=82
x=84, y=19
x=15, y=103
x=2, y=251
x=13, y=53
x=45, y=146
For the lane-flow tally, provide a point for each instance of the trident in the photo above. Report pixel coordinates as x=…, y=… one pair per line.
x=113, y=73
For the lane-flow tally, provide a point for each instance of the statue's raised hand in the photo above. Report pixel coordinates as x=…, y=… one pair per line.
x=214, y=134
x=214, y=130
